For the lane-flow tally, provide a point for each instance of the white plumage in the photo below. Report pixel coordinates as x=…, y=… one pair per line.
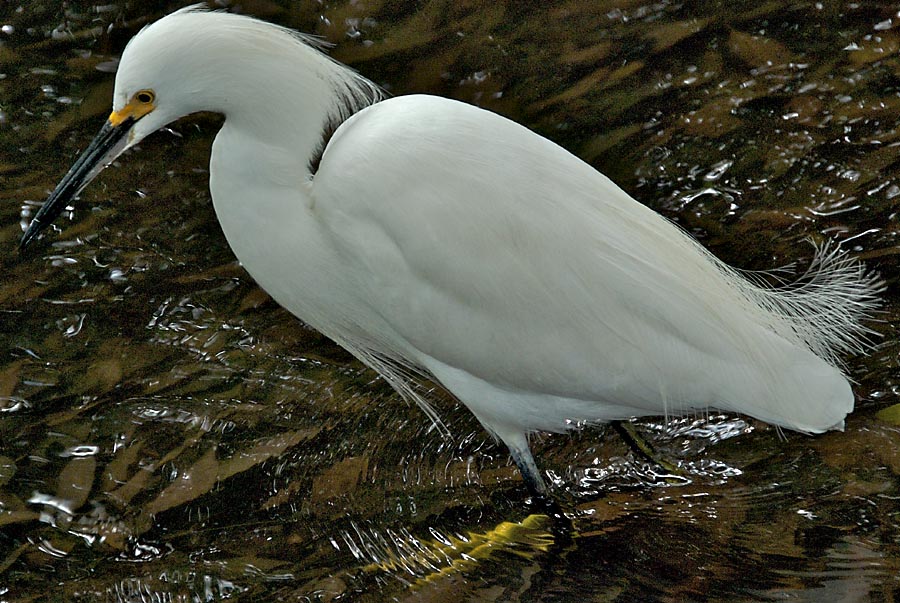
x=435, y=238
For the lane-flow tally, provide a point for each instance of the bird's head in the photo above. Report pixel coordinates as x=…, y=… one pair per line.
x=150, y=93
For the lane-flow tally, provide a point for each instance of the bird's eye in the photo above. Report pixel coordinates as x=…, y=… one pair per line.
x=145, y=96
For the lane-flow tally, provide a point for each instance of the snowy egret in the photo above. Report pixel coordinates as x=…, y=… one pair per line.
x=434, y=239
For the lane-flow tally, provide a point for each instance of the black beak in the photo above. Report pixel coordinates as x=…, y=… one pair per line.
x=105, y=147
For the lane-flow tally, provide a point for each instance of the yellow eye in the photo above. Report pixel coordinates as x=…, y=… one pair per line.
x=145, y=97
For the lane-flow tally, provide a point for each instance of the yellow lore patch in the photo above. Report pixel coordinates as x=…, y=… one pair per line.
x=140, y=105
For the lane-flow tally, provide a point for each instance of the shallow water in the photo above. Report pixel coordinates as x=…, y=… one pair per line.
x=167, y=433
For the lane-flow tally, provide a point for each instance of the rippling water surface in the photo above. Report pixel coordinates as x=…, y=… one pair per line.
x=167, y=433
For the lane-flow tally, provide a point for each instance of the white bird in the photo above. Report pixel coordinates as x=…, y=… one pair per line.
x=431, y=238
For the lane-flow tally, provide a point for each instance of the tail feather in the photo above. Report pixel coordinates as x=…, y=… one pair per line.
x=796, y=333
x=825, y=308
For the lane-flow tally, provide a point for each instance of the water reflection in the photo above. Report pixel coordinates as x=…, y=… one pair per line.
x=417, y=561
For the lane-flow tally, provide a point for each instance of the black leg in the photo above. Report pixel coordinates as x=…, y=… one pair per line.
x=531, y=475
x=529, y=470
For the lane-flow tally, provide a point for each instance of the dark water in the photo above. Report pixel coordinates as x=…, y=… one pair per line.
x=167, y=433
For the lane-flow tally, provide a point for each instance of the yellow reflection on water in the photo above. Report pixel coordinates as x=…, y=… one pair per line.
x=445, y=555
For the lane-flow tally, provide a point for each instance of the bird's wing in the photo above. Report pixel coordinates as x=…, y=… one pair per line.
x=500, y=254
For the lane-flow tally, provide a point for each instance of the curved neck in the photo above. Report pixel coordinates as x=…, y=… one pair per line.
x=277, y=89
x=297, y=112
